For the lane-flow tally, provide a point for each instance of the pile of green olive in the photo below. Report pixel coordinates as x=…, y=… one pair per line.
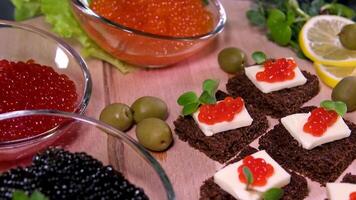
x=149, y=114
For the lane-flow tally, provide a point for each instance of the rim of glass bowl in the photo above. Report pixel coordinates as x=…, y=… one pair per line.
x=107, y=129
x=87, y=90
x=217, y=29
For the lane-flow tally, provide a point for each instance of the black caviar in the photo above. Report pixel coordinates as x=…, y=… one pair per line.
x=61, y=175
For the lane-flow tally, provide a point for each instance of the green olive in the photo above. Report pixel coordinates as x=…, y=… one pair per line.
x=231, y=60
x=154, y=134
x=348, y=36
x=147, y=106
x=345, y=91
x=117, y=115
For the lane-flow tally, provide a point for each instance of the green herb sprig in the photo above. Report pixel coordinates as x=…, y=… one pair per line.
x=271, y=194
x=21, y=195
x=339, y=9
x=338, y=106
x=279, y=26
x=249, y=177
x=284, y=19
x=259, y=57
x=191, y=102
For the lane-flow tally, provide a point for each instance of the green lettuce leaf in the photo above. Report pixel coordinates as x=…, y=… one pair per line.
x=26, y=9
x=59, y=15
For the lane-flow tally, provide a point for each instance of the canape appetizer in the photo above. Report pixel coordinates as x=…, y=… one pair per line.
x=253, y=175
x=219, y=125
x=315, y=142
x=277, y=87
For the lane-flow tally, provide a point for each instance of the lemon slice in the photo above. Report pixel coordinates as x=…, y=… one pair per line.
x=331, y=75
x=320, y=42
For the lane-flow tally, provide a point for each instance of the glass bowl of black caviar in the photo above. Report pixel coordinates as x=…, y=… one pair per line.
x=96, y=162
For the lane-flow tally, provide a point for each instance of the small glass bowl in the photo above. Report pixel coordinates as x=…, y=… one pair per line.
x=108, y=145
x=142, y=48
x=21, y=42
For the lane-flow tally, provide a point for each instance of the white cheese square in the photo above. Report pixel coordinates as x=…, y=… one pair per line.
x=241, y=119
x=340, y=191
x=266, y=87
x=228, y=180
x=295, y=123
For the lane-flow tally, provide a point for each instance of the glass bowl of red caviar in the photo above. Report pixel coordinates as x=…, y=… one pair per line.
x=151, y=33
x=37, y=71
x=91, y=164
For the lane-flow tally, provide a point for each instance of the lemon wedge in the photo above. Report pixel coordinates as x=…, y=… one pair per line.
x=320, y=42
x=331, y=75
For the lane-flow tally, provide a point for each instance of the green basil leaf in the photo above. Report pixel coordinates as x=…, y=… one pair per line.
x=275, y=17
x=273, y=194
x=187, y=98
x=259, y=57
x=38, y=196
x=340, y=108
x=210, y=86
x=206, y=98
x=19, y=195
x=281, y=34
x=248, y=175
x=205, y=2
x=190, y=108
x=328, y=104
x=256, y=18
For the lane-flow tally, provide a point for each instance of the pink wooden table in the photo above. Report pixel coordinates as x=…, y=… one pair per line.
x=187, y=168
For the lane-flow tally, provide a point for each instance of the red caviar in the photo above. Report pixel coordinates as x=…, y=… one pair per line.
x=222, y=111
x=29, y=86
x=163, y=17
x=353, y=196
x=319, y=121
x=260, y=170
x=277, y=70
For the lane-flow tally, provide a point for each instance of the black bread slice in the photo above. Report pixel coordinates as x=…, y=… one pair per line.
x=221, y=146
x=323, y=164
x=297, y=189
x=276, y=104
x=349, y=178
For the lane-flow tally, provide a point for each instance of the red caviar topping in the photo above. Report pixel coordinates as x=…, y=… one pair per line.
x=27, y=85
x=353, y=196
x=319, y=121
x=277, y=70
x=164, y=17
x=260, y=170
x=222, y=111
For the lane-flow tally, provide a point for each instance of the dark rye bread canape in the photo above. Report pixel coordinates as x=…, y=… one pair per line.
x=324, y=163
x=278, y=103
x=221, y=146
x=297, y=189
x=349, y=178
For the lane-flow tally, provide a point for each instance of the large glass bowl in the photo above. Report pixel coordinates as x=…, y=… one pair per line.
x=142, y=48
x=20, y=42
x=107, y=144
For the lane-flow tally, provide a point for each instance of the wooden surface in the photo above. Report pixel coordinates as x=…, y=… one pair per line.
x=187, y=168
